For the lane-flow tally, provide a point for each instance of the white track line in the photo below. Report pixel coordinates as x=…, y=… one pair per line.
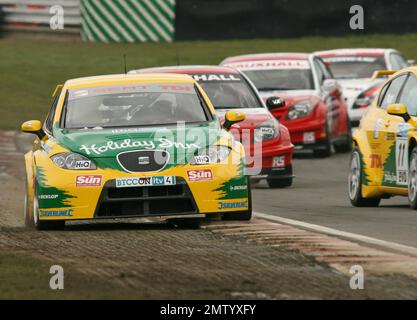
x=347, y=235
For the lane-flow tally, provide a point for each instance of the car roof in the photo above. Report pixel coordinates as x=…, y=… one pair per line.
x=128, y=78
x=189, y=69
x=268, y=56
x=353, y=52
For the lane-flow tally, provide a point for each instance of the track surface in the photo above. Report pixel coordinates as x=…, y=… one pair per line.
x=319, y=196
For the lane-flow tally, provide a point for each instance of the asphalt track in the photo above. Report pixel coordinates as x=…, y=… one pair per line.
x=319, y=196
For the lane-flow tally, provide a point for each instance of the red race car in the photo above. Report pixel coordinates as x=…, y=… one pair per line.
x=267, y=143
x=310, y=104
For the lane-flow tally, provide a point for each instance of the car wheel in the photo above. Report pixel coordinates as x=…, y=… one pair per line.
x=412, y=180
x=345, y=146
x=355, y=185
x=28, y=211
x=237, y=216
x=326, y=150
x=43, y=224
x=279, y=183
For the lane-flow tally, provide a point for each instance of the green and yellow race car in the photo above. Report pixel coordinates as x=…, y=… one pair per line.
x=384, y=159
x=123, y=146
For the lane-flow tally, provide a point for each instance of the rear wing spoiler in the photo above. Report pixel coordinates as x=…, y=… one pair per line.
x=382, y=73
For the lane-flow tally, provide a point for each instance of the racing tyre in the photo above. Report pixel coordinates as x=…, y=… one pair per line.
x=355, y=185
x=279, y=183
x=412, y=179
x=345, y=146
x=32, y=215
x=237, y=216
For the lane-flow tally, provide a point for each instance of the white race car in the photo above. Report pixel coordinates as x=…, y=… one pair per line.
x=353, y=69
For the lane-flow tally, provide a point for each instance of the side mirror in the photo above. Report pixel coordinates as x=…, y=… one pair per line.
x=275, y=102
x=398, y=109
x=411, y=62
x=233, y=117
x=330, y=85
x=33, y=126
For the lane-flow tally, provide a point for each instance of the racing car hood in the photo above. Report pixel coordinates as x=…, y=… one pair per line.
x=291, y=97
x=108, y=143
x=254, y=117
x=353, y=87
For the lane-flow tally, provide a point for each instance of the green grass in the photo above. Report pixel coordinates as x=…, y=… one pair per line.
x=29, y=70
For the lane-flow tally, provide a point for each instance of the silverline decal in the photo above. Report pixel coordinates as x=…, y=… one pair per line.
x=231, y=205
x=129, y=143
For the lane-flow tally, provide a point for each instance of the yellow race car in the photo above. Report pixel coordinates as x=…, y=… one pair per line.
x=384, y=159
x=123, y=146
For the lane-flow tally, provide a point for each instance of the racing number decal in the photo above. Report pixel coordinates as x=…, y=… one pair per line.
x=401, y=160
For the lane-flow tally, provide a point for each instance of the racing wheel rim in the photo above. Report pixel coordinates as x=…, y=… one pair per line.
x=412, y=179
x=354, y=175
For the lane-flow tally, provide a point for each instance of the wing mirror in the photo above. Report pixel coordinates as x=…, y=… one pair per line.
x=398, y=109
x=275, y=102
x=34, y=127
x=411, y=62
x=330, y=85
x=233, y=117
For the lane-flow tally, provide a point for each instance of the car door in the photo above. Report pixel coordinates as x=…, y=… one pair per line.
x=330, y=97
x=394, y=138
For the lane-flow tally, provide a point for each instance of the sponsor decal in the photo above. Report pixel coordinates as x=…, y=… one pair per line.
x=145, y=181
x=401, y=160
x=56, y=213
x=238, y=188
x=216, y=77
x=201, y=159
x=82, y=164
x=232, y=205
x=402, y=130
x=270, y=64
x=131, y=88
x=376, y=161
x=390, y=136
x=378, y=127
x=129, y=143
x=375, y=145
x=390, y=177
x=336, y=59
x=278, y=162
x=88, y=181
x=200, y=175
x=47, y=196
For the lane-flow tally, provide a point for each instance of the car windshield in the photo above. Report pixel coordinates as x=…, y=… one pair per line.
x=354, y=67
x=281, y=79
x=227, y=91
x=133, y=105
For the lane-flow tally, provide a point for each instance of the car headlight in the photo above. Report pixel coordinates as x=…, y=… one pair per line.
x=300, y=109
x=73, y=161
x=213, y=154
x=267, y=130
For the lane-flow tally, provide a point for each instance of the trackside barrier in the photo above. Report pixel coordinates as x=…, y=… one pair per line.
x=128, y=20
